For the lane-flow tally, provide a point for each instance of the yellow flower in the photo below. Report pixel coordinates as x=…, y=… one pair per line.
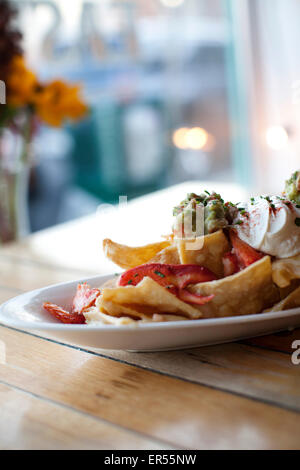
x=58, y=101
x=53, y=103
x=21, y=83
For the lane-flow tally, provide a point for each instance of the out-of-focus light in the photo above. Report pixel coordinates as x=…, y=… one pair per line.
x=179, y=137
x=277, y=137
x=172, y=3
x=196, y=138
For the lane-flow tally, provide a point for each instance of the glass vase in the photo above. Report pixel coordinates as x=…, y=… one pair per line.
x=14, y=186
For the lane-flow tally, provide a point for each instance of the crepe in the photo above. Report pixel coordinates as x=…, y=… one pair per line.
x=144, y=300
x=249, y=291
x=291, y=301
x=285, y=270
x=205, y=251
x=246, y=292
x=128, y=257
x=168, y=255
x=94, y=316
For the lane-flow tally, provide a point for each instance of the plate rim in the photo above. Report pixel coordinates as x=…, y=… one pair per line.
x=51, y=326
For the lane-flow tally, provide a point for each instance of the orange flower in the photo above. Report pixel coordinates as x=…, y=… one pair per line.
x=58, y=101
x=53, y=103
x=21, y=83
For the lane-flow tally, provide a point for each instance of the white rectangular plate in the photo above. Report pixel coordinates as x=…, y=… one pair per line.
x=25, y=312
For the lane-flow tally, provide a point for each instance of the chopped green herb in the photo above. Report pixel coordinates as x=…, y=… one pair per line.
x=159, y=273
x=239, y=222
x=136, y=274
x=130, y=281
x=207, y=192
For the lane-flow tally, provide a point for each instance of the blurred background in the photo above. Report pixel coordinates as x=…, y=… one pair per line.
x=179, y=90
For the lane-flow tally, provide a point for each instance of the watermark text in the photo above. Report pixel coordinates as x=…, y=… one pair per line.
x=2, y=353
x=296, y=354
x=2, y=92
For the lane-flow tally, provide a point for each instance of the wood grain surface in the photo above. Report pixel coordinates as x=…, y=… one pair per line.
x=243, y=395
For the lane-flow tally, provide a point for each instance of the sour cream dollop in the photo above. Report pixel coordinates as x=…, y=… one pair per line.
x=271, y=226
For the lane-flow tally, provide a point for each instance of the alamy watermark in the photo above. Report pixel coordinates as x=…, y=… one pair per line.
x=296, y=354
x=2, y=92
x=190, y=228
x=2, y=353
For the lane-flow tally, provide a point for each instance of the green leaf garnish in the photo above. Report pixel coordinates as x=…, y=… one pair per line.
x=159, y=273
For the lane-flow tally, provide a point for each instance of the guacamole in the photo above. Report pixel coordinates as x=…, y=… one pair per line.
x=214, y=214
x=292, y=188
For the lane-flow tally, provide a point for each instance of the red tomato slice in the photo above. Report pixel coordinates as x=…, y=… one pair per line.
x=189, y=297
x=230, y=264
x=179, y=275
x=85, y=297
x=186, y=274
x=175, y=277
x=63, y=315
x=245, y=254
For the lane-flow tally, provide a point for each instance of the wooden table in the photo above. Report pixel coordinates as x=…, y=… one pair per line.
x=242, y=395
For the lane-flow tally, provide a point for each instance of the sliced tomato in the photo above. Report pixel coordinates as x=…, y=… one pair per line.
x=158, y=272
x=85, y=297
x=174, y=277
x=245, y=254
x=63, y=315
x=186, y=274
x=179, y=275
x=189, y=297
x=230, y=264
